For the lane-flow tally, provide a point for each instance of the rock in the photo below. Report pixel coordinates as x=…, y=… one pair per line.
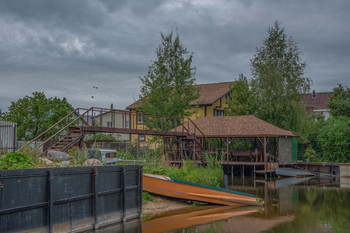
x=92, y=162
x=64, y=163
x=46, y=161
x=58, y=155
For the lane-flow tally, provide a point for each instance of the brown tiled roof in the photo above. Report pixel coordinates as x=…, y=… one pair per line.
x=134, y=105
x=209, y=93
x=238, y=126
x=316, y=101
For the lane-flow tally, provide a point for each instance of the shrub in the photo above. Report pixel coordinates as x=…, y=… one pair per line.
x=334, y=138
x=15, y=160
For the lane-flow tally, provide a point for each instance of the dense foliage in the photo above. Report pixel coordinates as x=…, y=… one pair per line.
x=15, y=160
x=329, y=140
x=339, y=102
x=242, y=99
x=277, y=85
x=34, y=114
x=168, y=86
x=334, y=138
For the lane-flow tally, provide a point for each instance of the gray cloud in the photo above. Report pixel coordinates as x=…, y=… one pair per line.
x=65, y=47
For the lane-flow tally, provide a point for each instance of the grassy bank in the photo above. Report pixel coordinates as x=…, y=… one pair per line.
x=212, y=174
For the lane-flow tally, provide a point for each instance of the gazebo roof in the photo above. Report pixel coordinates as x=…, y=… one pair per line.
x=238, y=126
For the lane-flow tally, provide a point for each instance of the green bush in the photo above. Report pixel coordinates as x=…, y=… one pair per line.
x=15, y=160
x=334, y=138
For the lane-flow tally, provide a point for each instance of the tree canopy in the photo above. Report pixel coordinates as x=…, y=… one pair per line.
x=34, y=114
x=277, y=83
x=241, y=101
x=339, y=102
x=168, y=86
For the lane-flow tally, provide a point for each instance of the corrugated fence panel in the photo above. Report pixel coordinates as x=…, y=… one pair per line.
x=8, y=137
x=69, y=199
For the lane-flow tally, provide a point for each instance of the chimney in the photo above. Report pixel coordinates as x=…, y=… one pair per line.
x=313, y=94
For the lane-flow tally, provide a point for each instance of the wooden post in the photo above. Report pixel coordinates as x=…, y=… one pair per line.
x=265, y=156
x=227, y=149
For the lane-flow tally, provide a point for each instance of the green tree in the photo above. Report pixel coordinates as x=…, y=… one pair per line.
x=278, y=81
x=339, y=102
x=34, y=114
x=241, y=101
x=334, y=139
x=168, y=86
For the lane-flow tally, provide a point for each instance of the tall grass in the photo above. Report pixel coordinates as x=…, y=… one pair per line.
x=212, y=174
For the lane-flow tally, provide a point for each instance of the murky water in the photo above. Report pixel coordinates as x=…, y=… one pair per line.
x=291, y=205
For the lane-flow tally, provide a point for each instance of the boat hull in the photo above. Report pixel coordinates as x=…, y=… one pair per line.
x=292, y=172
x=173, y=188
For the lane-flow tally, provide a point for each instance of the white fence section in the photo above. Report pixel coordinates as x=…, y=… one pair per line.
x=8, y=137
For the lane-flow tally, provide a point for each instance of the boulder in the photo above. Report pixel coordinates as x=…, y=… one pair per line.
x=64, y=163
x=46, y=161
x=92, y=162
x=58, y=155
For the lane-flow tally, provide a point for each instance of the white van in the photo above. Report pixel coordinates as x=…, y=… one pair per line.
x=106, y=156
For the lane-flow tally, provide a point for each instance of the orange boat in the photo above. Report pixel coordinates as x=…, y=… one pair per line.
x=166, y=186
x=187, y=217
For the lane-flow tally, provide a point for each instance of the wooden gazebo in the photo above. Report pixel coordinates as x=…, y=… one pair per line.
x=238, y=140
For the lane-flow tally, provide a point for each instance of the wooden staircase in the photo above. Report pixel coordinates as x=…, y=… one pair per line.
x=192, y=149
x=73, y=138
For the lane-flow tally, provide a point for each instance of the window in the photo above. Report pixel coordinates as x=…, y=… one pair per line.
x=139, y=119
x=110, y=155
x=142, y=137
x=228, y=96
x=218, y=112
x=109, y=124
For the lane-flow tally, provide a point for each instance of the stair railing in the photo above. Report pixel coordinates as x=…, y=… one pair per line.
x=53, y=126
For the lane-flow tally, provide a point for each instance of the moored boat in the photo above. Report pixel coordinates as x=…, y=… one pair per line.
x=292, y=172
x=166, y=186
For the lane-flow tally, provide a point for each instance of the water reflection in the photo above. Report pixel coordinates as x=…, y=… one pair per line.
x=302, y=205
x=179, y=219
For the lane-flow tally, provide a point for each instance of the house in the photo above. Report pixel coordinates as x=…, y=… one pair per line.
x=316, y=102
x=211, y=102
x=113, y=119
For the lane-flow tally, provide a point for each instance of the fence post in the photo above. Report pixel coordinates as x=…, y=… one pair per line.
x=95, y=190
x=124, y=193
x=50, y=201
x=140, y=172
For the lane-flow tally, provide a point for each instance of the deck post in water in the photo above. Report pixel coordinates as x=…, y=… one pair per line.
x=225, y=181
x=254, y=172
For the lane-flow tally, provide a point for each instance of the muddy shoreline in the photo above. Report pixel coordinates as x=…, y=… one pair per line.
x=161, y=204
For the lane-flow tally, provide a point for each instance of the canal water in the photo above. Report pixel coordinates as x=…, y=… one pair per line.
x=291, y=205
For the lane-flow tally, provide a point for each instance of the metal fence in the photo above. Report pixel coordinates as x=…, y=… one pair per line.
x=69, y=199
x=8, y=137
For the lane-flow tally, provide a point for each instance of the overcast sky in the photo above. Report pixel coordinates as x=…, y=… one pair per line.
x=64, y=48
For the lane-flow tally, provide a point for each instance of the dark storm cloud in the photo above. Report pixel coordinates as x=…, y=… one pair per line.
x=65, y=47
